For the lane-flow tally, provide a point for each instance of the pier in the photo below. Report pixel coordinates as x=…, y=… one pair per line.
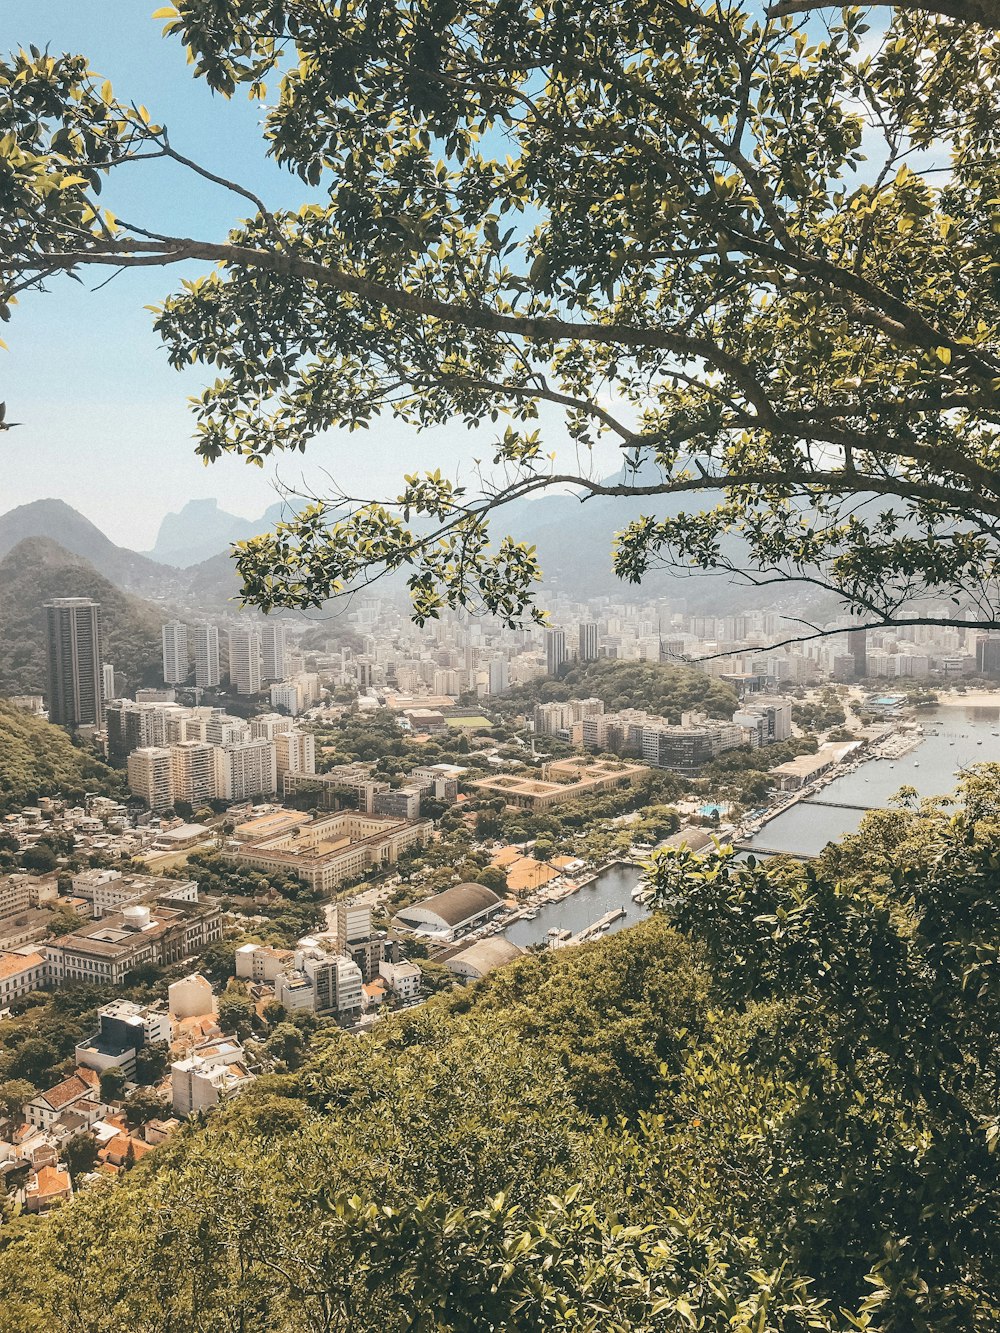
x=596, y=927
x=773, y=851
x=842, y=805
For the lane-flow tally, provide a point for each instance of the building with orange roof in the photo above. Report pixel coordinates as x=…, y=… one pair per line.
x=373, y=994
x=526, y=874
x=75, y=1093
x=46, y=1187
x=21, y=971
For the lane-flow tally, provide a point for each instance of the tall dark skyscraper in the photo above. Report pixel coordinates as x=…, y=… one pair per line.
x=588, y=641
x=74, y=661
x=857, y=646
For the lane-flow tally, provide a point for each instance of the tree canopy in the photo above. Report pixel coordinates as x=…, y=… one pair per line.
x=759, y=253
x=770, y=1108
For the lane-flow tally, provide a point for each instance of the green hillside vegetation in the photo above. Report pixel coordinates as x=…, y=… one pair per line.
x=658, y=688
x=769, y=1109
x=39, y=759
x=37, y=570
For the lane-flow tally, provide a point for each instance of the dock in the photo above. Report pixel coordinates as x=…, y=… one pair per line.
x=596, y=927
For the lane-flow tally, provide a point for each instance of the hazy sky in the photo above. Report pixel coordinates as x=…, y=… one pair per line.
x=106, y=423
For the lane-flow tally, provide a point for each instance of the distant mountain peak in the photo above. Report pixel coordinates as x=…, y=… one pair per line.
x=201, y=530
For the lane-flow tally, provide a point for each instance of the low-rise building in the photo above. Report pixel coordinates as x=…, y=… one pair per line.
x=452, y=912
x=21, y=972
x=482, y=957
x=47, y=1187
x=561, y=781
x=104, y=952
x=331, y=849
x=123, y=1029
x=191, y=997
x=215, y=1071
x=79, y=1090
x=261, y=962
x=404, y=979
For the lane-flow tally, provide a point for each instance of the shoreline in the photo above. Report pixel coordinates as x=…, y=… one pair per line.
x=970, y=699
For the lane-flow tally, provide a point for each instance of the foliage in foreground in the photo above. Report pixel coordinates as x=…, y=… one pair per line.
x=769, y=1109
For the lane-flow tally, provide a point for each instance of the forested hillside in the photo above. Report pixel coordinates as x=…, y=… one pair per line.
x=38, y=759
x=770, y=1109
x=658, y=688
x=37, y=570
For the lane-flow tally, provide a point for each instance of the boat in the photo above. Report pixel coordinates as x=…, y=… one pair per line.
x=637, y=893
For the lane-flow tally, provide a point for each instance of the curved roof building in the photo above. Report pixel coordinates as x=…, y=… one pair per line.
x=482, y=957
x=455, y=910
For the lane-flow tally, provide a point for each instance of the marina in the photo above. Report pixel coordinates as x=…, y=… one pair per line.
x=929, y=758
x=599, y=905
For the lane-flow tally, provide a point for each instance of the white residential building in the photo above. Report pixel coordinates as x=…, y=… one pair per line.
x=244, y=660
x=206, y=656
x=214, y=1071
x=175, y=652
x=151, y=776
x=285, y=694
x=403, y=979
x=272, y=642
x=247, y=769
x=295, y=752
x=195, y=772
x=269, y=725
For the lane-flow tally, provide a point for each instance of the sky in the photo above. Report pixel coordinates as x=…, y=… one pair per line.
x=106, y=425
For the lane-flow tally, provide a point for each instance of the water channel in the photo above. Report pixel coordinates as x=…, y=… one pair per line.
x=955, y=737
x=612, y=888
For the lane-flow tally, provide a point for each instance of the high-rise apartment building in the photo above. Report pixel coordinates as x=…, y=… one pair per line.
x=244, y=660
x=194, y=765
x=151, y=776
x=206, y=656
x=588, y=641
x=247, y=769
x=988, y=655
x=555, y=650
x=108, y=686
x=174, y=637
x=272, y=645
x=857, y=646
x=295, y=752
x=499, y=676
x=73, y=627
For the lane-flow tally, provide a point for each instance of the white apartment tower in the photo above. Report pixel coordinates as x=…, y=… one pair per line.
x=175, y=652
x=194, y=766
x=206, y=656
x=151, y=776
x=272, y=643
x=248, y=769
x=244, y=660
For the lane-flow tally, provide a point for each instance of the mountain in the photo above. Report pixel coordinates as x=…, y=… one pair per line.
x=202, y=530
x=38, y=759
x=61, y=523
x=34, y=572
